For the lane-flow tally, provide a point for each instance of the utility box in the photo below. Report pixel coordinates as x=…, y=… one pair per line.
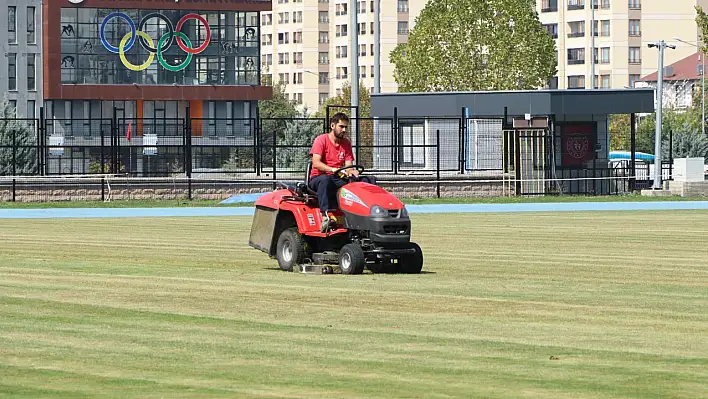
x=689, y=169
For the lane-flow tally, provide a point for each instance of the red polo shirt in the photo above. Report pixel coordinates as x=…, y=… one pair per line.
x=333, y=155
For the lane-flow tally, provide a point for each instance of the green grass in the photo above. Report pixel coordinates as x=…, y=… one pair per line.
x=183, y=307
x=216, y=203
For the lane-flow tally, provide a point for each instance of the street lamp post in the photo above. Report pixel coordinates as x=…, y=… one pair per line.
x=661, y=44
x=703, y=83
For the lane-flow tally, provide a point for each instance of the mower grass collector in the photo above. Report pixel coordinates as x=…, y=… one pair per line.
x=369, y=229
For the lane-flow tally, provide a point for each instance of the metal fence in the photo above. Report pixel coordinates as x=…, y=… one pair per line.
x=208, y=158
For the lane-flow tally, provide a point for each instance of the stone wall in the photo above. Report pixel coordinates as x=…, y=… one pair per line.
x=689, y=189
x=49, y=190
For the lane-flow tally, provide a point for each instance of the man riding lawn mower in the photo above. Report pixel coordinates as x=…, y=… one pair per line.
x=298, y=225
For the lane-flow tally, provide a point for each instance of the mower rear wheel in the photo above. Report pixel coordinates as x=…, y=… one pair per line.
x=352, y=259
x=290, y=250
x=412, y=264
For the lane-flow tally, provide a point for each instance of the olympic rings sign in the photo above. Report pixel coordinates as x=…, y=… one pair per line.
x=166, y=41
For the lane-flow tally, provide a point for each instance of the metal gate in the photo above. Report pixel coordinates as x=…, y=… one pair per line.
x=527, y=161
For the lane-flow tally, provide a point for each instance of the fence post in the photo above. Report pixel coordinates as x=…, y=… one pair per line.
x=38, y=129
x=632, y=149
x=103, y=166
x=188, y=152
x=358, y=133
x=14, y=163
x=394, y=157
x=517, y=161
x=275, y=157
x=256, y=142
x=437, y=160
x=114, y=142
x=463, y=139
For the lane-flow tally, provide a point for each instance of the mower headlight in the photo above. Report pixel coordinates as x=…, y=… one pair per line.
x=404, y=212
x=378, y=211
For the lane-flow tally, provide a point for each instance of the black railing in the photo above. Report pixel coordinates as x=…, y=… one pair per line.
x=200, y=156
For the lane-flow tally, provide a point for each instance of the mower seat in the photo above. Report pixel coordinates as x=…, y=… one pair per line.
x=309, y=189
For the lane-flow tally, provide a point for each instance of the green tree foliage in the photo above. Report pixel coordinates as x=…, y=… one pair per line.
x=18, y=143
x=279, y=106
x=296, y=143
x=468, y=45
x=685, y=144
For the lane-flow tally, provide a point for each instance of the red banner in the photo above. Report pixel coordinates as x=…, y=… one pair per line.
x=577, y=141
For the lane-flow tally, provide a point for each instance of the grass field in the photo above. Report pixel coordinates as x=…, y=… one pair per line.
x=581, y=305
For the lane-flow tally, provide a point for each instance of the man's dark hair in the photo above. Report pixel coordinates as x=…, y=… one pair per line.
x=339, y=116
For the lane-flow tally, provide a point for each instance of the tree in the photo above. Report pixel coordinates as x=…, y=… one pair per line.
x=274, y=114
x=346, y=99
x=686, y=145
x=469, y=45
x=279, y=106
x=298, y=138
x=18, y=143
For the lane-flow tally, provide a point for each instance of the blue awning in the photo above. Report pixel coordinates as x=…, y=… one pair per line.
x=627, y=155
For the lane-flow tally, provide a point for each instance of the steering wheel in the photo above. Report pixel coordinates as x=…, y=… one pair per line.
x=340, y=172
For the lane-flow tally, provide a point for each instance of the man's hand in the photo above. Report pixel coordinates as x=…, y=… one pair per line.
x=353, y=172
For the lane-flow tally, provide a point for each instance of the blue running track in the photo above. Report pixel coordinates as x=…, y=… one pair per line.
x=442, y=208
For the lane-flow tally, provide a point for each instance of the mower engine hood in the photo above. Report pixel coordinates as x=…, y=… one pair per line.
x=359, y=198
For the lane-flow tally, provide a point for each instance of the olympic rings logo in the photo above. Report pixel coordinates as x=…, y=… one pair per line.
x=146, y=42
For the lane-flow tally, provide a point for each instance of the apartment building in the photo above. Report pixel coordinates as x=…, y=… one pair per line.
x=21, y=64
x=622, y=30
x=306, y=43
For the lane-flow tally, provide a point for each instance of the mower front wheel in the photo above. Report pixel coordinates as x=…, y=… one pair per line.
x=413, y=263
x=290, y=250
x=352, y=259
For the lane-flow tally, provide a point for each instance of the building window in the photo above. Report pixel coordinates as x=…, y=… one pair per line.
x=324, y=58
x=576, y=56
x=634, y=27
x=297, y=37
x=576, y=29
x=549, y=5
x=297, y=97
x=341, y=9
x=31, y=36
x=324, y=78
x=576, y=4
x=283, y=37
x=605, y=28
x=297, y=78
x=362, y=72
x=602, y=55
x=552, y=84
x=605, y=4
x=341, y=51
x=31, y=72
x=297, y=58
x=341, y=30
x=297, y=16
x=323, y=17
x=12, y=71
x=362, y=50
x=633, y=78
x=576, y=82
x=602, y=82
x=402, y=6
x=31, y=111
x=13, y=106
x=267, y=19
x=635, y=4
x=552, y=30
x=12, y=25
x=324, y=37
x=323, y=98
x=402, y=27
x=635, y=55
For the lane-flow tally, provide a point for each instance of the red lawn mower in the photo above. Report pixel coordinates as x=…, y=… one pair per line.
x=369, y=229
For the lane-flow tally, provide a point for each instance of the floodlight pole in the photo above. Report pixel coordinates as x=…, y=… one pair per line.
x=661, y=44
x=592, y=43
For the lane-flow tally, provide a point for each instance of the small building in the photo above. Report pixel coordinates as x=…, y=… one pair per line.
x=681, y=80
x=557, y=140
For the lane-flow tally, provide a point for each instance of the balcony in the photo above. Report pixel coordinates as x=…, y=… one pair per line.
x=576, y=62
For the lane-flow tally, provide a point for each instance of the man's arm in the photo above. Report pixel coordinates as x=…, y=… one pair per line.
x=321, y=166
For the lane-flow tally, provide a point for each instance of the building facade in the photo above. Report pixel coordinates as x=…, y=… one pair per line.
x=623, y=28
x=306, y=43
x=150, y=65
x=20, y=66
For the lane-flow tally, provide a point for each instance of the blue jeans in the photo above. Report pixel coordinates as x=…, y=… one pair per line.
x=326, y=187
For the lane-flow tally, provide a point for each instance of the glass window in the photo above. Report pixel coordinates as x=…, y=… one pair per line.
x=223, y=52
x=12, y=71
x=12, y=25
x=31, y=72
x=31, y=36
